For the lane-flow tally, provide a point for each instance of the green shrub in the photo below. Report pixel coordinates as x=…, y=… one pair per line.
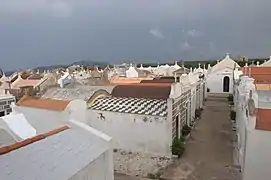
x=186, y=130
x=230, y=98
x=233, y=115
x=177, y=147
x=197, y=113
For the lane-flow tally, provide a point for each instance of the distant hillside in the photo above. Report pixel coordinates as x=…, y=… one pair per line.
x=42, y=68
x=81, y=63
x=90, y=63
x=194, y=64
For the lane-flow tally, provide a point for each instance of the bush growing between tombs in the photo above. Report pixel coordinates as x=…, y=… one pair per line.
x=230, y=98
x=233, y=115
x=177, y=147
x=197, y=113
x=186, y=130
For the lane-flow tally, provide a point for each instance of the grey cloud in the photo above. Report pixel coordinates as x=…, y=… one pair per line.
x=49, y=7
x=40, y=32
x=157, y=33
x=194, y=33
x=186, y=46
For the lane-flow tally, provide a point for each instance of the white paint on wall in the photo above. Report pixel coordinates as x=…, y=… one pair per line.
x=41, y=119
x=44, y=120
x=19, y=125
x=135, y=133
x=96, y=170
x=258, y=159
x=215, y=80
x=102, y=167
x=77, y=110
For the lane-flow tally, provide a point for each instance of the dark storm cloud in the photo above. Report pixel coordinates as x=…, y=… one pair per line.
x=40, y=32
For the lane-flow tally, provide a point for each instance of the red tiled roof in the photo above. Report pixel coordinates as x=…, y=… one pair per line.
x=263, y=121
x=148, y=91
x=13, y=91
x=158, y=81
x=151, y=84
x=262, y=75
x=121, y=80
x=49, y=104
x=7, y=149
x=25, y=82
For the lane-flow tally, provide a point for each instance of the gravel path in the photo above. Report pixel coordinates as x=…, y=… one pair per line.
x=139, y=164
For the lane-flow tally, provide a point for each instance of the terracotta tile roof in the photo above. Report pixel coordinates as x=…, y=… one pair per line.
x=154, y=91
x=263, y=121
x=13, y=91
x=256, y=70
x=49, y=104
x=158, y=81
x=9, y=148
x=128, y=80
x=152, y=84
x=262, y=75
x=263, y=87
x=25, y=82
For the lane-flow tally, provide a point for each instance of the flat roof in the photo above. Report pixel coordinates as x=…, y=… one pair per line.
x=263, y=120
x=263, y=87
x=48, y=104
x=59, y=156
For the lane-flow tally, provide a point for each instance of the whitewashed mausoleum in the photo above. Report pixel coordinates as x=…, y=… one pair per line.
x=220, y=76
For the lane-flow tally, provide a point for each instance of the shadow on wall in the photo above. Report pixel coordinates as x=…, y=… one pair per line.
x=77, y=110
x=98, y=94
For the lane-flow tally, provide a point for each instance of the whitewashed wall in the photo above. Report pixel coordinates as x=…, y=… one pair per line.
x=215, y=80
x=96, y=170
x=44, y=120
x=105, y=139
x=258, y=158
x=193, y=101
x=136, y=133
x=41, y=119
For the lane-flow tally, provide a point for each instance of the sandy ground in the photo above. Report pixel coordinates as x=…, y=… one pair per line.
x=209, y=152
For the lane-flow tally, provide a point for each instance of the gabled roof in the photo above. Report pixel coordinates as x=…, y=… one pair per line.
x=48, y=104
x=267, y=63
x=20, y=82
x=227, y=62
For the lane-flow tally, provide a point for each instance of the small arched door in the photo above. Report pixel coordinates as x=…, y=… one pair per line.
x=226, y=84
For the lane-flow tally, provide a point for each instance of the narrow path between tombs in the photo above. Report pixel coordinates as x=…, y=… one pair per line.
x=209, y=152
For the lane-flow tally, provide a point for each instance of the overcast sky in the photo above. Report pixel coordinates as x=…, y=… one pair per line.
x=46, y=32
